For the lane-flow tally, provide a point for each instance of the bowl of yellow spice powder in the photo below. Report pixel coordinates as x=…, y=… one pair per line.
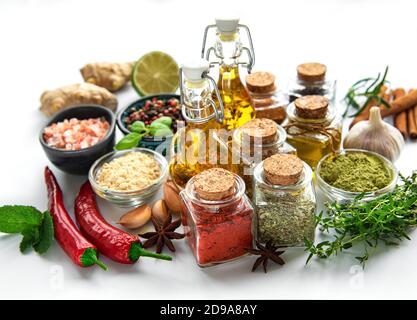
x=129, y=177
x=350, y=173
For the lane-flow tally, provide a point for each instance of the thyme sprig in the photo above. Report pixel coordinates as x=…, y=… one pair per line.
x=386, y=219
x=368, y=89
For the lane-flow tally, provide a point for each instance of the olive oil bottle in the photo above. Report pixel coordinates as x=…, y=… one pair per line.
x=199, y=145
x=228, y=49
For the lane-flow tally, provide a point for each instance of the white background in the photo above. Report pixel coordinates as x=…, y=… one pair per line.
x=44, y=43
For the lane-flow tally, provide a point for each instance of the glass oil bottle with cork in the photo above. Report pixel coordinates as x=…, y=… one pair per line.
x=228, y=49
x=217, y=217
x=284, y=200
x=313, y=128
x=269, y=102
x=198, y=146
x=311, y=80
x=255, y=141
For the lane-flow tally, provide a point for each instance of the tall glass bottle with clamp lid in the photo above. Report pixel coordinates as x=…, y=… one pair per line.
x=198, y=146
x=228, y=49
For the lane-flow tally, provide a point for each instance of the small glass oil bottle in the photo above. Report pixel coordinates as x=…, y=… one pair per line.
x=255, y=141
x=313, y=128
x=198, y=146
x=228, y=49
x=311, y=80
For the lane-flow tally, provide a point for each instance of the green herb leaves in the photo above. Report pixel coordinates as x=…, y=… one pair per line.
x=367, y=89
x=36, y=227
x=161, y=127
x=129, y=141
x=386, y=219
x=15, y=219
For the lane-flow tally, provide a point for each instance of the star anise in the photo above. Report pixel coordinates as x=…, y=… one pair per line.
x=269, y=251
x=162, y=235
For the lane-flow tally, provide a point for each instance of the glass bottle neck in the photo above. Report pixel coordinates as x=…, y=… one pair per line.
x=228, y=48
x=196, y=97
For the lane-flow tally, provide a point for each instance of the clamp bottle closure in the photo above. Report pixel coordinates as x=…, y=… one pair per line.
x=196, y=73
x=228, y=26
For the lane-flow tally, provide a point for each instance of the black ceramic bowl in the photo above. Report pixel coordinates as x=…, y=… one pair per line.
x=80, y=161
x=160, y=144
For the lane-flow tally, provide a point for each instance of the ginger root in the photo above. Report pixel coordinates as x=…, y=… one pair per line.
x=112, y=76
x=55, y=100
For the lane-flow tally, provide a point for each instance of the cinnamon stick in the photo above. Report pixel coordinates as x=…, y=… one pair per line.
x=364, y=115
x=401, y=104
x=415, y=118
x=400, y=119
x=412, y=125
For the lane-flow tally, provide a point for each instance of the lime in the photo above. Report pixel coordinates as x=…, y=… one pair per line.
x=155, y=72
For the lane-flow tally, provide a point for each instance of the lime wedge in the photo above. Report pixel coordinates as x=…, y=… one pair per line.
x=155, y=72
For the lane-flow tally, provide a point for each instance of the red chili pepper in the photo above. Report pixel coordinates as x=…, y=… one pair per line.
x=78, y=248
x=114, y=243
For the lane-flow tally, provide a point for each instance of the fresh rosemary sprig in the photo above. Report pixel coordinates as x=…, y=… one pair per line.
x=386, y=219
x=368, y=89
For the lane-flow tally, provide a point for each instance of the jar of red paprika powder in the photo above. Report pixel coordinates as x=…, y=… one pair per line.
x=217, y=217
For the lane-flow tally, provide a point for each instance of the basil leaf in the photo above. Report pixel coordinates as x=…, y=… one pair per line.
x=155, y=126
x=162, y=132
x=164, y=120
x=138, y=127
x=129, y=141
x=46, y=234
x=16, y=219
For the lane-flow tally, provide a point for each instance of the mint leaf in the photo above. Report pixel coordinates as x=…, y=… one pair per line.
x=30, y=237
x=16, y=219
x=138, y=127
x=129, y=141
x=164, y=120
x=46, y=234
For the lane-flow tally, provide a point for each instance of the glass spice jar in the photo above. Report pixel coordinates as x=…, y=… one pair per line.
x=268, y=101
x=255, y=141
x=313, y=128
x=284, y=200
x=311, y=80
x=217, y=217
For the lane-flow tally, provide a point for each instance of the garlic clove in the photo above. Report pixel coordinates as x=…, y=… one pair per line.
x=375, y=135
x=160, y=211
x=171, y=197
x=136, y=217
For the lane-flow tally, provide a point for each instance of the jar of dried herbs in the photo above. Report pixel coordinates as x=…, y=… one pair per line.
x=311, y=80
x=313, y=128
x=284, y=200
x=255, y=141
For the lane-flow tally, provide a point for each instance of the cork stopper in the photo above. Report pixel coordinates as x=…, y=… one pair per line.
x=311, y=107
x=260, y=82
x=215, y=184
x=311, y=71
x=283, y=169
x=261, y=129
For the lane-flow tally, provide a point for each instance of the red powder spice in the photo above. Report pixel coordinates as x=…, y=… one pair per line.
x=220, y=229
x=220, y=235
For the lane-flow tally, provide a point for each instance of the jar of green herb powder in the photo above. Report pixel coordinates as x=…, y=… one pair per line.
x=351, y=173
x=284, y=200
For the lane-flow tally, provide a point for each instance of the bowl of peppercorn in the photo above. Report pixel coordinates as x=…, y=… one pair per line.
x=147, y=110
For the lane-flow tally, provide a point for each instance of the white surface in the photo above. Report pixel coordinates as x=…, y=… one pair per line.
x=44, y=43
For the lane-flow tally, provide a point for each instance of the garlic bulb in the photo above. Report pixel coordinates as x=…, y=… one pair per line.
x=375, y=135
